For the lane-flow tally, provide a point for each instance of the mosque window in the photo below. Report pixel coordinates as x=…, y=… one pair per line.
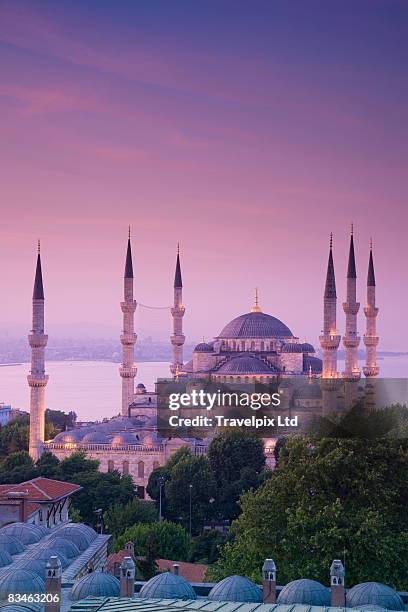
x=125, y=468
x=242, y=345
x=253, y=345
x=111, y=465
x=140, y=469
x=262, y=345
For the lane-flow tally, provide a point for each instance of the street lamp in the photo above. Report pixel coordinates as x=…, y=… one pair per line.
x=161, y=485
x=99, y=514
x=191, y=488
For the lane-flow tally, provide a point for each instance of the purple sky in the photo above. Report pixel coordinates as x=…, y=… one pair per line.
x=246, y=130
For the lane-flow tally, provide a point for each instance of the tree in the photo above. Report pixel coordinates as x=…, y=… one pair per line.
x=77, y=463
x=48, y=465
x=327, y=498
x=147, y=566
x=100, y=490
x=205, y=547
x=122, y=516
x=171, y=541
x=237, y=461
x=16, y=468
x=194, y=472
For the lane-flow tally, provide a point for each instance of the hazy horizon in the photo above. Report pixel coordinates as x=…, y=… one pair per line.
x=247, y=132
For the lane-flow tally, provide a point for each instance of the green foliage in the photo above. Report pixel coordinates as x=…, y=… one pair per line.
x=206, y=547
x=237, y=461
x=75, y=464
x=100, y=490
x=171, y=541
x=14, y=436
x=17, y=467
x=147, y=566
x=122, y=516
x=48, y=466
x=327, y=498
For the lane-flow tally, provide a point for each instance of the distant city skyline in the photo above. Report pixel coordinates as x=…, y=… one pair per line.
x=245, y=132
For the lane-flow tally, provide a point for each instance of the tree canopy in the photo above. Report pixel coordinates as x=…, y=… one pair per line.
x=170, y=541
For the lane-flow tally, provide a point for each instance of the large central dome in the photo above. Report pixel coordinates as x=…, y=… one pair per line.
x=255, y=325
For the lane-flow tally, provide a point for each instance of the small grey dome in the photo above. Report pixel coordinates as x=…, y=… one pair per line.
x=313, y=363
x=95, y=584
x=255, y=325
x=45, y=553
x=140, y=389
x=374, y=594
x=167, y=586
x=69, y=437
x=291, y=347
x=11, y=544
x=24, y=532
x=63, y=546
x=5, y=557
x=306, y=592
x=151, y=439
x=20, y=581
x=245, y=364
x=81, y=535
x=236, y=588
x=35, y=565
x=203, y=347
x=95, y=437
x=124, y=438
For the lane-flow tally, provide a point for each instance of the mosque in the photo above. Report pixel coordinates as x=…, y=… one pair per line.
x=253, y=347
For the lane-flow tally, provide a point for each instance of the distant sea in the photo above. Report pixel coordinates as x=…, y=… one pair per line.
x=92, y=389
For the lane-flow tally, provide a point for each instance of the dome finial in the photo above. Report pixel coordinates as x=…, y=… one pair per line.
x=256, y=307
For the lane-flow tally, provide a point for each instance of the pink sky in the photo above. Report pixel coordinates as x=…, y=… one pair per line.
x=247, y=138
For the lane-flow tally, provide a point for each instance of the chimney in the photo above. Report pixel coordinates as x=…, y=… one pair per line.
x=176, y=569
x=337, y=586
x=269, y=581
x=127, y=577
x=130, y=548
x=53, y=573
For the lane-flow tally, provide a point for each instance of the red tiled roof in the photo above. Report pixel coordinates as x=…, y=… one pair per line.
x=192, y=572
x=41, y=489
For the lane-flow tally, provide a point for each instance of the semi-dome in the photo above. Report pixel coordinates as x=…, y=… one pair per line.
x=305, y=592
x=11, y=544
x=312, y=363
x=307, y=347
x=62, y=545
x=167, y=586
x=245, y=364
x=24, y=532
x=203, y=347
x=255, y=325
x=292, y=347
x=5, y=558
x=151, y=439
x=236, y=588
x=95, y=584
x=374, y=594
x=20, y=581
x=124, y=438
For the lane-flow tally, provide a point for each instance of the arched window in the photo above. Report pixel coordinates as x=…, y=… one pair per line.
x=111, y=465
x=125, y=468
x=242, y=345
x=253, y=345
x=233, y=345
x=262, y=345
x=140, y=469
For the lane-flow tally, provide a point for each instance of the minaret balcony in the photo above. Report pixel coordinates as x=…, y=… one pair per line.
x=178, y=311
x=352, y=376
x=351, y=341
x=128, y=372
x=371, y=311
x=128, y=339
x=37, y=340
x=37, y=380
x=178, y=340
x=371, y=371
x=329, y=342
x=128, y=307
x=370, y=340
x=351, y=308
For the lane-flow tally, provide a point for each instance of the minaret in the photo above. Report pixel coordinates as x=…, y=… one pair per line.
x=128, y=337
x=177, y=312
x=351, y=340
x=329, y=340
x=371, y=311
x=37, y=379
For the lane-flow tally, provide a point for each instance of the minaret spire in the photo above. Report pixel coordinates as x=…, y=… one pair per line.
x=351, y=307
x=371, y=368
x=37, y=379
x=128, y=337
x=329, y=340
x=177, y=312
